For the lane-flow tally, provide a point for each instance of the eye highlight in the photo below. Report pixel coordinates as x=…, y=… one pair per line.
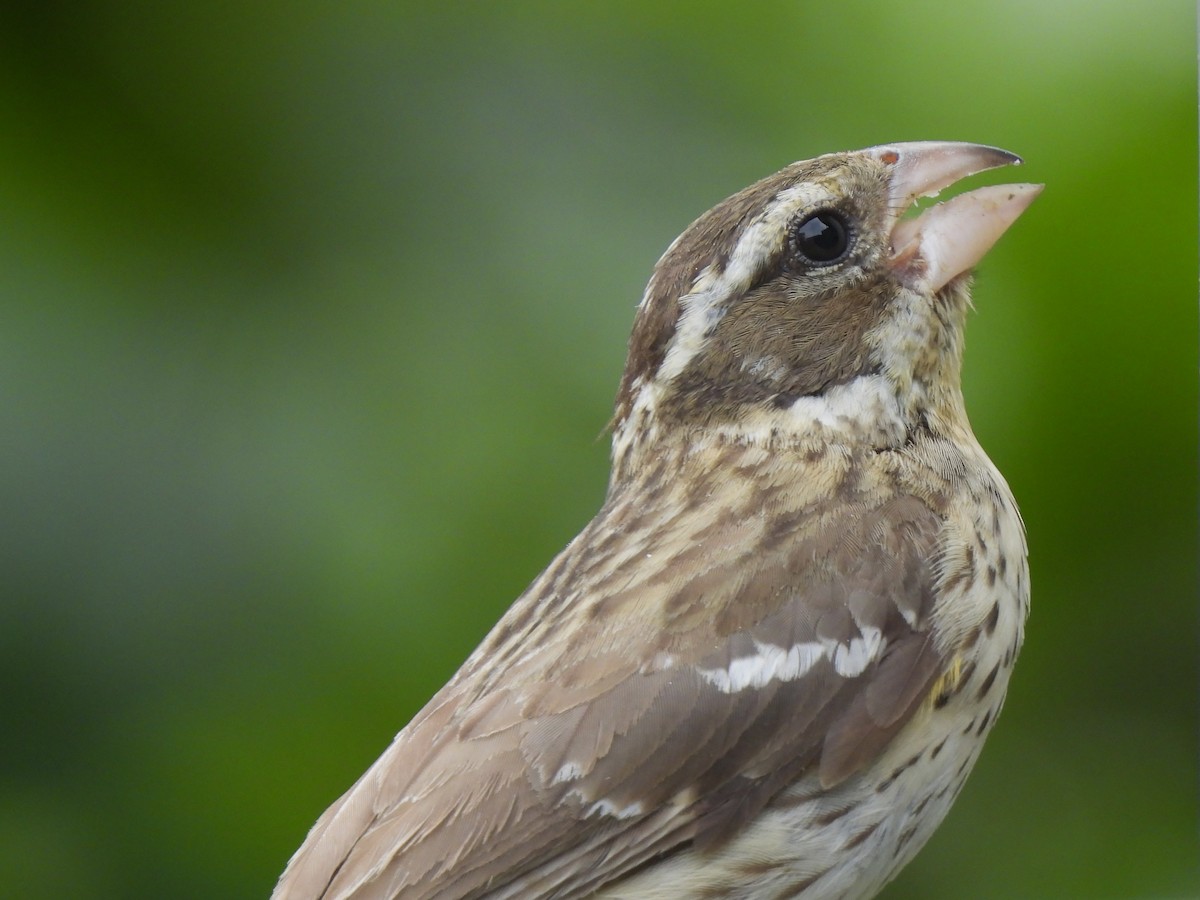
x=822, y=238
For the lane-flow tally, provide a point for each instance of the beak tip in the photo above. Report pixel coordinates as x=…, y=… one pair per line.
x=953, y=236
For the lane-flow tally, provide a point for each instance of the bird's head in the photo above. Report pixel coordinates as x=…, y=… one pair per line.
x=809, y=307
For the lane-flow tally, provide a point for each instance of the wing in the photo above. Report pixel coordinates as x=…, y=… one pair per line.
x=626, y=706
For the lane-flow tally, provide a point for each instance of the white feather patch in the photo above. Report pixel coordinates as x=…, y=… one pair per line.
x=851, y=660
x=569, y=772
x=608, y=808
x=774, y=663
x=862, y=400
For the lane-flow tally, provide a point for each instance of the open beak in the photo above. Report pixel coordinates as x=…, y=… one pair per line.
x=949, y=238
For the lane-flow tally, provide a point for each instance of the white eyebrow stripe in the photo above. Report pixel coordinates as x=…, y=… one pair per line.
x=706, y=302
x=700, y=311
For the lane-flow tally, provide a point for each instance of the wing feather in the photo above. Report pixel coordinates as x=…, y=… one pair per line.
x=559, y=758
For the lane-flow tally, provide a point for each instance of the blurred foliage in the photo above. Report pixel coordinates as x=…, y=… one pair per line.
x=312, y=314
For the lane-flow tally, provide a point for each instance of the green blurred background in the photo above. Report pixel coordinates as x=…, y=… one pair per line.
x=312, y=314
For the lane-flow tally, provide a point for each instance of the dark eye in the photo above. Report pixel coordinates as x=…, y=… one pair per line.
x=822, y=238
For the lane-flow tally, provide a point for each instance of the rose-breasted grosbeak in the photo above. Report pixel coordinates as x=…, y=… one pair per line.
x=768, y=664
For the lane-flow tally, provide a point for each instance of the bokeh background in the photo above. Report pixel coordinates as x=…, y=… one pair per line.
x=311, y=314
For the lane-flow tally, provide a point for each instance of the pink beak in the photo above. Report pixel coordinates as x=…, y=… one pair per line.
x=951, y=237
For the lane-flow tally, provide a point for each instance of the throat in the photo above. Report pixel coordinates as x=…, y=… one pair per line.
x=868, y=409
x=868, y=412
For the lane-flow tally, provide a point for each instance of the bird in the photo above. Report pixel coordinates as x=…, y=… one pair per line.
x=768, y=664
